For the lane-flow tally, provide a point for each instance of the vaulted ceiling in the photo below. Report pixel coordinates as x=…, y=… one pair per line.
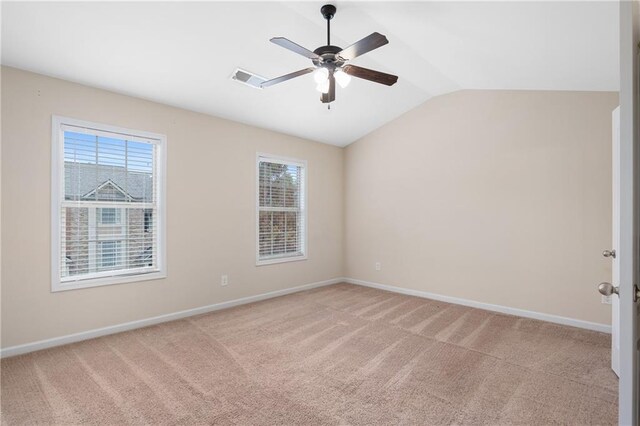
x=183, y=54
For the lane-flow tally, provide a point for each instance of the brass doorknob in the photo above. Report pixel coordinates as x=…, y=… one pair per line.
x=606, y=289
x=609, y=253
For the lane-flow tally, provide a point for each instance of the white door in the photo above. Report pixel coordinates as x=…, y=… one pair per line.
x=615, y=243
x=628, y=215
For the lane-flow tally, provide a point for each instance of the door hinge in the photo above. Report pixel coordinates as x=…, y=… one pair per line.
x=636, y=293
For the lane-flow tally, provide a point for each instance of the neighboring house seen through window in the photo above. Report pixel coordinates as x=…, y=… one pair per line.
x=108, y=195
x=281, y=215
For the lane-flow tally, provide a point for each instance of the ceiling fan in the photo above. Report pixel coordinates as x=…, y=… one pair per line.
x=331, y=62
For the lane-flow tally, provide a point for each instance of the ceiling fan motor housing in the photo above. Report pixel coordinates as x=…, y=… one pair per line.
x=328, y=56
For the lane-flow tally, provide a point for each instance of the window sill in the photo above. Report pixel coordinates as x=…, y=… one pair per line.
x=280, y=260
x=99, y=282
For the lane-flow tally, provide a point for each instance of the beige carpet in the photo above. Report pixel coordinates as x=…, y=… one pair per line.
x=335, y=355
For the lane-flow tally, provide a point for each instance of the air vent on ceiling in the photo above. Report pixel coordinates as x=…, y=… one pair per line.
x=248, y=78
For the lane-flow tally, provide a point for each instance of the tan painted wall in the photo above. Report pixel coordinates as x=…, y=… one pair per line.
x=496, y=196
x=210, y=211
x=501, y=197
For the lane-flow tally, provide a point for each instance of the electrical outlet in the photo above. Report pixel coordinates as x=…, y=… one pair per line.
x=606, y=300
x=378, y=266
x=224, y=280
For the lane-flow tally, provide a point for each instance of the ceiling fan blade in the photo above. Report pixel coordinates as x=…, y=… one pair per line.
x=287, y=77
x=288, y=44
x=331, y=95
x=367, y=44
x=371, y=75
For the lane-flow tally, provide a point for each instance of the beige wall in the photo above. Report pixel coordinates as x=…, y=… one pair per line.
x=495, y=196
x=501, y=197
x=210, y=211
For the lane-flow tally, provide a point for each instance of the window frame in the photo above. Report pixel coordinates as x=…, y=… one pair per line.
x=57, y=196
x=304, y=208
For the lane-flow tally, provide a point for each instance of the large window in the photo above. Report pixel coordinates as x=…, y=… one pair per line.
x=107, y=205
x=281, y=221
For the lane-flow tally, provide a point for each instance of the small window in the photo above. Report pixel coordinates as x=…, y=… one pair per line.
x=108, y=201
x=281, y=215
x=109, y=216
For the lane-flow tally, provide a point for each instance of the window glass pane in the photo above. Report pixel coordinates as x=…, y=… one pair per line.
x=107, y=169
x=109, y=210
x=280, y=224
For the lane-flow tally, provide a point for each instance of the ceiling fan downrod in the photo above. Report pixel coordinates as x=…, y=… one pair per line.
x=328, y=11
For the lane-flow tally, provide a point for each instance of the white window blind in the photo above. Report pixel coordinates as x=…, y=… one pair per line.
x=281, y=210
x=108, y=206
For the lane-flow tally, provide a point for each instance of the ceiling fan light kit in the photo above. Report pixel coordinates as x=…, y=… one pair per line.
x=342, y=78
x=321, y=75
x=323, y=87
x=330, y=63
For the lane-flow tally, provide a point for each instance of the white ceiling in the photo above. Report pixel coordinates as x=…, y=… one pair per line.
x=183, y=54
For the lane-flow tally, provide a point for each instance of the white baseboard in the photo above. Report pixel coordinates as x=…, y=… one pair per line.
x=91, y=334
x=604, y=328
